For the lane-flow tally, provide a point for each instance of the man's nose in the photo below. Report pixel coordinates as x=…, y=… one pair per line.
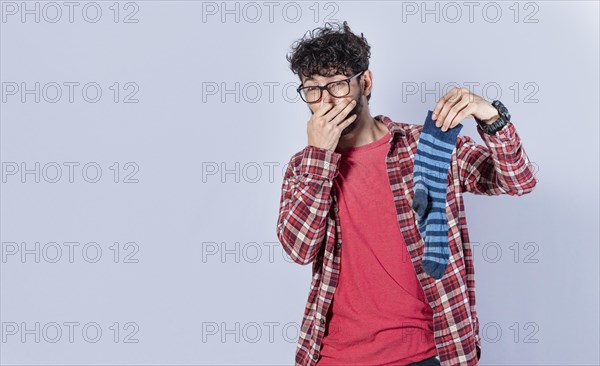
x=327, y=98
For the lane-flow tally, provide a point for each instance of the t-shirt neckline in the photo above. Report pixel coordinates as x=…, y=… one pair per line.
x=371, y=145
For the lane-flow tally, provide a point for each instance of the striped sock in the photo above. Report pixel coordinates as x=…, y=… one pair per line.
x=431, y=165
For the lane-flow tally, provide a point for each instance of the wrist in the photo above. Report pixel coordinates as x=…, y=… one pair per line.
x=494, y=124
x=491, y=120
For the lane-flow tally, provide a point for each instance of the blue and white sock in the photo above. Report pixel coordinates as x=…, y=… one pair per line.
x=432, y=161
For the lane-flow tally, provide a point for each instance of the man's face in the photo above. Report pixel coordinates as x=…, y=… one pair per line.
x=355, y=93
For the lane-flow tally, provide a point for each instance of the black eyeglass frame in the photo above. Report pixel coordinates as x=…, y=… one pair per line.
x=324, y=87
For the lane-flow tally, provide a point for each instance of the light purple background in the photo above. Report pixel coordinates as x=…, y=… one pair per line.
x=174, y=136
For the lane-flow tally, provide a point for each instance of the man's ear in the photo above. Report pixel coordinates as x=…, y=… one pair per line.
x=367, y=82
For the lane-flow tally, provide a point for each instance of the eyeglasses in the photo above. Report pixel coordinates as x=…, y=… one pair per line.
x=338, y=89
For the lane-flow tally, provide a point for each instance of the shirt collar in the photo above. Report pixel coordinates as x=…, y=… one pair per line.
x=392, y=126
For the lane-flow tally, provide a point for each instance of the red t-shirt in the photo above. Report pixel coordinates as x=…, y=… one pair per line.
x=379, y=314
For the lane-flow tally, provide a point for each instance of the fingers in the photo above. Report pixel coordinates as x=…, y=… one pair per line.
x=346, y=122
x=333, y=116
x=339, y=112
x=446, y=102
x=324, y=108
x=450, y=109
x=327, y=109
x=454, y=116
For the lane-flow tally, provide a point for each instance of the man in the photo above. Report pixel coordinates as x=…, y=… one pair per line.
x=347, y=207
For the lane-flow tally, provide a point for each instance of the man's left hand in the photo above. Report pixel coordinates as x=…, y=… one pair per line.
x=460, y=103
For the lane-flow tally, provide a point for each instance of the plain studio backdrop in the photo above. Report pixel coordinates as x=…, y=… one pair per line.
x=143, y=146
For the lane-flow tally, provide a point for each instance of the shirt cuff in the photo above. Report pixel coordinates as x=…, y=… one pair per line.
x=319, y=161
x=502, y=137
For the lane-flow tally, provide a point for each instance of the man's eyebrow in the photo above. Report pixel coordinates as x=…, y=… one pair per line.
x=310, y=78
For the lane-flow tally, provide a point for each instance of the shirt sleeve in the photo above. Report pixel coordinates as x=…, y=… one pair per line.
x=305, y=203
x=500, y=167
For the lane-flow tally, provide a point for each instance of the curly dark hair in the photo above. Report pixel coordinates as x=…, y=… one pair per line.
x=330, y=50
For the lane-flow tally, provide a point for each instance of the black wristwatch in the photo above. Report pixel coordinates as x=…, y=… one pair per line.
x=503, y=119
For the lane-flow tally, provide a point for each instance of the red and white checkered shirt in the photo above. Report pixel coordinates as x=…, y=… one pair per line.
x=308, y=228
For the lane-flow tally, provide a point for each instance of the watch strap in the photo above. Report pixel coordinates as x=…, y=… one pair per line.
x=501, y=121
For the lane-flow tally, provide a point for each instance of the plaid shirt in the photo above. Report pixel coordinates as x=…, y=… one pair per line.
x=308, y=228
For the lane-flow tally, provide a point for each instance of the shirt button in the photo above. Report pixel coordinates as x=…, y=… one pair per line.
x=315, y=356
x=338, y=245
x=335, y=209
x=322, y=321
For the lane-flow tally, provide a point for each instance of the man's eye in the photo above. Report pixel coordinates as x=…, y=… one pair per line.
x=338, y=85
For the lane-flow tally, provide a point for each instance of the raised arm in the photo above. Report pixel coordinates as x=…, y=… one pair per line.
x=305, y=203
x=500, y=167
